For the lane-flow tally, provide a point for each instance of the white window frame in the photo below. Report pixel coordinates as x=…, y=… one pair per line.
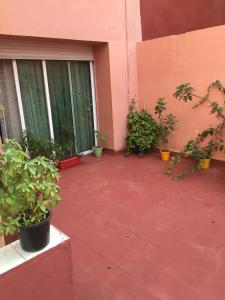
x=48, y=99
x=47, y=96
x=93, y=94
x=72, y=104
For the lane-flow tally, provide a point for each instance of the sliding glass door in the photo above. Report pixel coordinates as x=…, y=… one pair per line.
x=33, y=97
x=60, y=97
x=71, y=103
x=53, y=99
x=10, y=125
x=82, y=104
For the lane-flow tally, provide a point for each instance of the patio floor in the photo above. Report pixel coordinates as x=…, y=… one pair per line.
x=136, y=234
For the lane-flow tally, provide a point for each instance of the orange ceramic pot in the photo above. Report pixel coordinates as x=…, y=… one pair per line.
x=165, y=155
x=205, y=163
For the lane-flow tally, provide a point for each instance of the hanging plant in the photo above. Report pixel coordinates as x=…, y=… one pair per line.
x=207, y=142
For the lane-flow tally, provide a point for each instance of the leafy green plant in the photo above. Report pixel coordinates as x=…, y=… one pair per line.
x=166, y=123
x=143, y=131
x=28, y=188
x=101, y=138
x=40, y=147
x=67, y=141
x=209, y=140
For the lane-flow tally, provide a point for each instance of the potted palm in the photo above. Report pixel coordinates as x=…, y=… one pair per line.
x=28, y=190
x=101, y=138
x=166, y=126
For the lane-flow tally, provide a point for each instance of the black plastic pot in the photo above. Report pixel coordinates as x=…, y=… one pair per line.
x=37, y=236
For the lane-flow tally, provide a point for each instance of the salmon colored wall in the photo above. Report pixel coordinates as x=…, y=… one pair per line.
x=103, y=89
x=167, y=17
x=197, y=57
x=116, y=23
x=46, y=276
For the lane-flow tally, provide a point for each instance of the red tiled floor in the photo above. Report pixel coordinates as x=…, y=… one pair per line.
x=136, y=234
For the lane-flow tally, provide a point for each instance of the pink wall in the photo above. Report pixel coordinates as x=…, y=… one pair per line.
x=167, y=17
x=46, y=276
x=164, y=63
x=117, y=23
x=103, y=88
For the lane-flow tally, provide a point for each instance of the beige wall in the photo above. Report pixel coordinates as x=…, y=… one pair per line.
x=197, y=57
x=116, y=22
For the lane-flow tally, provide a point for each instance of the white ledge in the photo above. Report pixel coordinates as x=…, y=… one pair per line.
x=13, y=255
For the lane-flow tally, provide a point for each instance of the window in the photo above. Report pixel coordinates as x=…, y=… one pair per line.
x=9, y=120
x=48, y=98
x=33, y=97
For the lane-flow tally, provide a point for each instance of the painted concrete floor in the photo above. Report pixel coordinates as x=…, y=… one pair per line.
x=138, y=235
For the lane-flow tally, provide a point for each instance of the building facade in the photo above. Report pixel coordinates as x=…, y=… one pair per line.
x=68, y=66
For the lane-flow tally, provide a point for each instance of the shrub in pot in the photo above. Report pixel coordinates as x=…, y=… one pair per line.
x=28, y=190
x=67, y=157
x=67, y=154
x=166, y=126
x=143, y=131
x=40, y=146
x=202, y=154
x=63, y=156
x=101, y=138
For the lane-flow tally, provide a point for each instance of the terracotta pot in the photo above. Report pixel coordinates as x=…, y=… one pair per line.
x=69, y=163
x=165, y=155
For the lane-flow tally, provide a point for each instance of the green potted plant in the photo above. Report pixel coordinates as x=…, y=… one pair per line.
x=101, y=138
x=40, y=147
x=67, y=156
x=166, y=126
x=143, y=131
x=207, y=142
x=28, y=190
x=202, y=154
